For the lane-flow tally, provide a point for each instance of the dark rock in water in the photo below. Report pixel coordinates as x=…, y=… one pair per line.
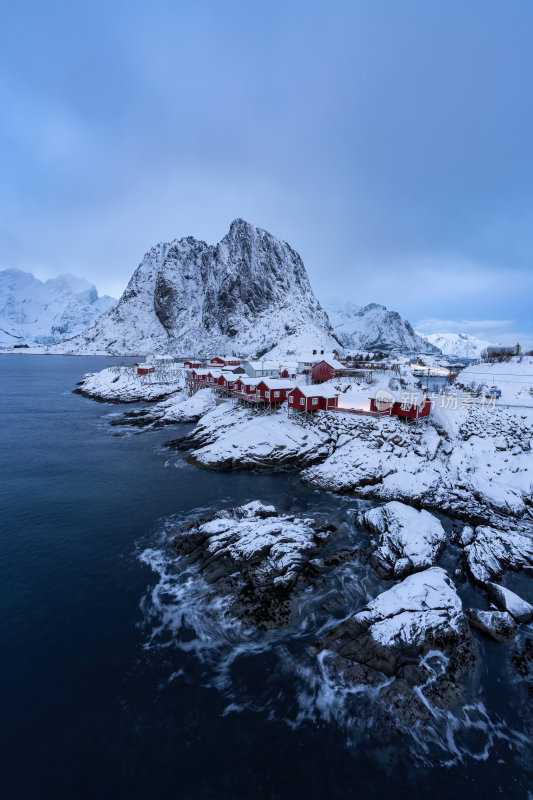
x=255, y=558
x=522, y=659
x=396, y=635
x=498, y=624
x=490, y=552
x=506, y=600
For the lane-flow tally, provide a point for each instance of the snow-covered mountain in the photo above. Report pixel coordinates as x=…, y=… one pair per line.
x=460, y=345
x=244, y=294
x=374, y=328
x=33, y=312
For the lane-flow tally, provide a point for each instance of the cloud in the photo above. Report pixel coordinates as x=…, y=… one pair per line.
x=474, y=326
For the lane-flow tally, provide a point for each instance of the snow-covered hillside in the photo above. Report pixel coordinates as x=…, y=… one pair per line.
x=514, y=378
x=374, y=328
x=33, y=312
x=242, y=295
x=460, y=345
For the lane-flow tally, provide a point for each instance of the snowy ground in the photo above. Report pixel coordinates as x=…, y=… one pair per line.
x=356, y=393
x=513, y=377
x=123, y=385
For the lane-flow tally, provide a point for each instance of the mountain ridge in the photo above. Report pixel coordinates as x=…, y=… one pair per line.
x=244, y=293
x=36, y=312
x=373, y=328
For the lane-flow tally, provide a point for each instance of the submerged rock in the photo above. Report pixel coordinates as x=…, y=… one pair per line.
x=498, y=624
x=407, y=540
x=493, y=551
x=395, y=634
x=256, y=558
x=506, y=600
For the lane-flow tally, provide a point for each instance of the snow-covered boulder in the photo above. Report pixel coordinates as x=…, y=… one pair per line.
x=394, y=633
x=406, y=540
x=498, y=624
x=506, y=600
x=254, y=558
x=493, y=551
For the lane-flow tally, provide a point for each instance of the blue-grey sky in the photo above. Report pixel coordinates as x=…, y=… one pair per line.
x=390, y=142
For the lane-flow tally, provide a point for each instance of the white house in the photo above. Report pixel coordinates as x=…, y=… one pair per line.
x=261, y=369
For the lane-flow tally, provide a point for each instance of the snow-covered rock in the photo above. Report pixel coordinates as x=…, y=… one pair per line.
x=458, y=345
x=407, y=540
x=498, y=624
x=374, y=328
x=493, y=551
x=123, y=385
x=176, y=408
x=459, y=469
x=34, y=312
x=394, y=633
x=506, y=600
x=244, y=294
x=232, y=437
x=254, y=558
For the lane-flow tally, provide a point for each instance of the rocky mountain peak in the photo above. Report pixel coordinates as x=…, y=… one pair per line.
x=244, y=293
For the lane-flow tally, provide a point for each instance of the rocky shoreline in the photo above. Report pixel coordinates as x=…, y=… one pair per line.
x=413, y=646
x=414, y=643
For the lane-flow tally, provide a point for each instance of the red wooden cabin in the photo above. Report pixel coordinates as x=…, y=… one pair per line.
x=403, y=409
x=145, y=369
x=191, y=364
x=273, y=390
x=245, y=385
x=326, y=370
x=313, y=398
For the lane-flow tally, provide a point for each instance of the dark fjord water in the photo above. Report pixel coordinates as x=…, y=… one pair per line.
x=97, y=699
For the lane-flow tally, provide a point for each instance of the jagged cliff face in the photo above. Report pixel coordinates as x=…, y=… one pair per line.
x=374, y=328
x=243, y=294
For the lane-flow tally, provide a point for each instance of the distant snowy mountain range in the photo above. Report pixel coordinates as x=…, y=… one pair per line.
x=461, y=345
x=247, y=294
x=36, y=312
x=374, y=328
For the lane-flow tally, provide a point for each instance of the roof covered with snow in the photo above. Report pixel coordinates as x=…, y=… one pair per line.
x=277, y=383
x=321, y=390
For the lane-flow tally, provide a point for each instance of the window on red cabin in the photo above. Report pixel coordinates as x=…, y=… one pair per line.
x=302, y=401
x=315, y=401
x=291, y=399
x=276, y=394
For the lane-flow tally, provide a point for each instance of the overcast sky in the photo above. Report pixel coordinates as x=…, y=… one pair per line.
x=390, y=143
